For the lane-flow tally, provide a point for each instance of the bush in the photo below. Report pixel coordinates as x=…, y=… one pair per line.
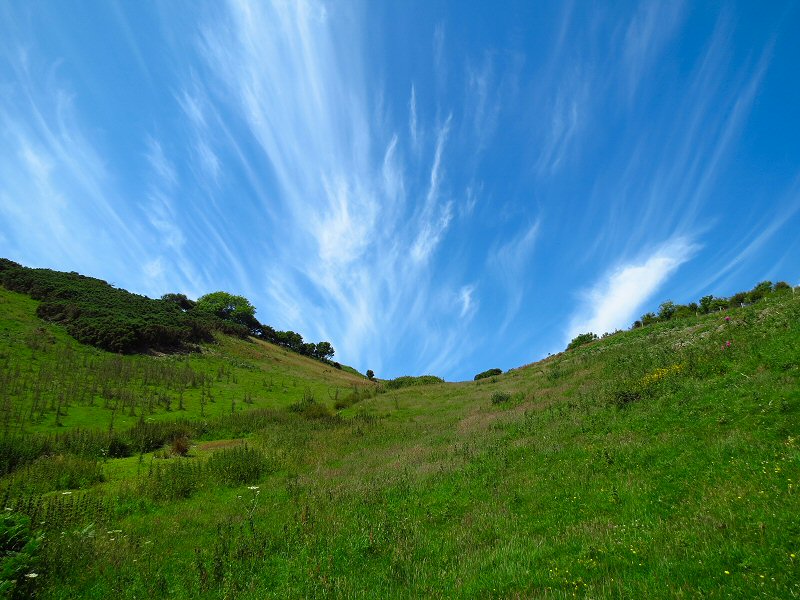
x=96, y=313
x=583, y=338
x=489, y=373
x=180, y=445
x=309, y=407
x=407, y=380
x=624, y=397
x=500, y=397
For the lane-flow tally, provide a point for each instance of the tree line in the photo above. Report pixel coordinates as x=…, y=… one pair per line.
x=96, y=313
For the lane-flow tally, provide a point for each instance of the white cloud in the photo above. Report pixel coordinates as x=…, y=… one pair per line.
x=412, y=117
x=468, y=306
x=613, y=303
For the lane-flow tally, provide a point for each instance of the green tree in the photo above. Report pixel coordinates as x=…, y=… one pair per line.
x=666, y=310
x=488, y=373
x=370, y=374
x=758, y=292
x=324, y=351
x=781, y=286
x=228, y=307
x=649, y=318
x=180, y=299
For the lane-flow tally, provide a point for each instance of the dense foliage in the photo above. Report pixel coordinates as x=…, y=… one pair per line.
x=96, y=313
x=488, y=373
x=407, y=380
x=228, y=307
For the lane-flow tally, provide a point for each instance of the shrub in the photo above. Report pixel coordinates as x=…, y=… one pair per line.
x=407, y=380
x=489, y=373
x=177, y=479
x=500, y=397
x=582, y=339
x=624, y=397
x=180, y=445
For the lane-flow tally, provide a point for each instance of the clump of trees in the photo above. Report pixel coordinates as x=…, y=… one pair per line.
x=488, y=373
x=96, y=313
x=707, y=304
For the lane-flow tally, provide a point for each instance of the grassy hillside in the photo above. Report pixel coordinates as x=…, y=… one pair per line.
x=659, y=462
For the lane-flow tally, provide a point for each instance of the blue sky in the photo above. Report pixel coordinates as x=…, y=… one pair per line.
x=433, y=187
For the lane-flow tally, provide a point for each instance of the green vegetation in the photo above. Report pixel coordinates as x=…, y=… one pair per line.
x=407, y=380
x=98, y=314
x=654, y=463
x=669, y=310
x=228, y=307
x=580, y=340
x=488, y=373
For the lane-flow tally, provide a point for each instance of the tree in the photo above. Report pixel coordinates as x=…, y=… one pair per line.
x=648, y=318
x=705, y=304
x=370, y=374
x=181, y=300
x=666, y=310
x=738, y=300
x=488, y=373
x=324, y=351
x=781, y=286
x=758, y=292
x=228, y=307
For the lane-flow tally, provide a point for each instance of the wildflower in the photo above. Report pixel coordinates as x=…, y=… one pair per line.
x=728, y=344
x=32, y=575
x=727, y=319
x=66, y=493
x=727, y=572
x=252, y=487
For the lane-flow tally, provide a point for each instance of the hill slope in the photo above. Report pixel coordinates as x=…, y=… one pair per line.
x=659, y=462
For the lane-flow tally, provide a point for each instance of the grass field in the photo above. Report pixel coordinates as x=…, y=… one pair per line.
x=660, y=462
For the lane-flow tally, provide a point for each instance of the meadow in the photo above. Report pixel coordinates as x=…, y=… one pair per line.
x=659, y=462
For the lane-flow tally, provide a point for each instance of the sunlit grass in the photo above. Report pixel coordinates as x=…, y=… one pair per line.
x=687, y=488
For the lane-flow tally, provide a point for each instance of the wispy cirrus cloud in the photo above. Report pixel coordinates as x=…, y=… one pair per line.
x=512, y=261
x=54, y=180
x=346, y=185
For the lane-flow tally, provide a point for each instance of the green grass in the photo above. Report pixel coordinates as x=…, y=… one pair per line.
x=659, y=462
